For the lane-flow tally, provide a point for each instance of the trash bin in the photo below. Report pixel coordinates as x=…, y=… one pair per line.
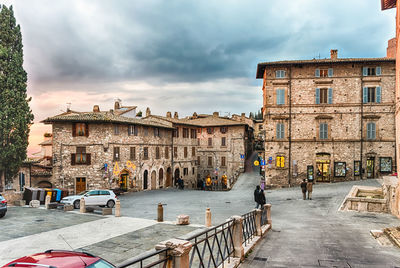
x=48, y=192
x=64, y=193
x=58, y=194
x=42, y=195
x=28, y=195
x=53, y=195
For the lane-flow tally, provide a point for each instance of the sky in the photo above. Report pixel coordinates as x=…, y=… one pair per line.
x=185, y=56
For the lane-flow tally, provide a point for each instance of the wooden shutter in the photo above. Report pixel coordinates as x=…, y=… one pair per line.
x=330, y=72
x=365, y=95
x=317, y=96
x=72, y=159
x=378, y=70
x=73, y=129
x=88, y=159
x=378, y=94
x=330, y=92
x=316, y=72
x=86, y=130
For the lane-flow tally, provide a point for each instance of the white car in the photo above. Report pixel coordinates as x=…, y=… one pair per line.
x=92, y=198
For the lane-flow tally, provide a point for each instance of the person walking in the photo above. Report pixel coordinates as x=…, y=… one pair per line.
x=309, y=189
x=257, y=195
x=303, y=187
x=263, y=200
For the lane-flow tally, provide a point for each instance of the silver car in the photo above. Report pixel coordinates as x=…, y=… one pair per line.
x=92, y=198
x=3, y=206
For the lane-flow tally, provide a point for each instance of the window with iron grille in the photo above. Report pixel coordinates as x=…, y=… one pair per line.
x=146, y=153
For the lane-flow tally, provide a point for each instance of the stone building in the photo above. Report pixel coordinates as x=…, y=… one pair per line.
x=328, y=119
x=114, y=149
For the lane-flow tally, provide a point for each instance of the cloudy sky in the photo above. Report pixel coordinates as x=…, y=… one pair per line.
x=182, y=56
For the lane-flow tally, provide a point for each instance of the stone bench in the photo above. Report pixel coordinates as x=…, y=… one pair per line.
x=100, y=210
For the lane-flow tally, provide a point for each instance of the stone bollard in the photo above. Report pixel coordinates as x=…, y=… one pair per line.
x=179, y=251
x=237, y=237
x=160, y=213
x=34, y=204
x=118, y=208
x=47, y=201
x=268, y=207
x=208, y=217
x=82, y=206
x=258, y=222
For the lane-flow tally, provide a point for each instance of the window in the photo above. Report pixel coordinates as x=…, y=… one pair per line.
x=157, y=152
x=280, y=131
x=185, y=133
x=193, y=133
x=132, y=155
x=145, y=131
x=210, y=130
x=223, y=161
x=81, y=157
x=146, y=153
x=185, y=152
x=199, y=130
x=280, y=74
x=210, y=161
x=192, y=170
x=324, y=72
x=280, y=161
x=156, y=132
x=385, y=164
x=323, y=95
x=280, y=96
x=177, y=132
x=223, y=141
x=185, y=171
x=323, y=131
x=209, y=141
x=175, y=152
x=116, y=154
x=371, y=131
x=198, y=160
x=372, y=71
x=80, y=129
x=166, y=152
x=193, y=151
x=223, y=130
x=132, y=130
x=372, y=94
x=116, y=129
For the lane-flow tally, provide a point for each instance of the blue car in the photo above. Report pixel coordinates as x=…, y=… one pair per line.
x=3, y=206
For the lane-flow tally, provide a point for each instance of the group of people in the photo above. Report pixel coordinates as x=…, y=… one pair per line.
x=306, y=187
x=179, y=183
x=259, y=197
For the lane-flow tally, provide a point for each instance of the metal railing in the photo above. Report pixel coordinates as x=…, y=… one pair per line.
x=211, y=248
x=148, y=259
x=249, y=226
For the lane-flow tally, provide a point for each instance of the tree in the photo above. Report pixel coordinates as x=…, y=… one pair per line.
x=15, y=114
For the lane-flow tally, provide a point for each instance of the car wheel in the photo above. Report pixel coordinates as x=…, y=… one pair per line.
x=2, y=215
x=77, y=204
x=110, y=203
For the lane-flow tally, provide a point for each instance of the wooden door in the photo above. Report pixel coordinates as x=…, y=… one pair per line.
x=80, y=185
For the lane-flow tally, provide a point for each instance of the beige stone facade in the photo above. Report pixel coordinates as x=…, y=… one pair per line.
x=111, y=149
x=329, y=119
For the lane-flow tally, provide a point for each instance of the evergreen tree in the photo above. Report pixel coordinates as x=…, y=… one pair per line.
x=15, y=114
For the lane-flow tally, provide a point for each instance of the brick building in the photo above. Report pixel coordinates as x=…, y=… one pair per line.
x=329, y=119
x=118, y=149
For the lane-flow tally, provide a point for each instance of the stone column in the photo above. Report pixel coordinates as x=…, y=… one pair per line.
x=237, y=235
x=208, y=217
x=47, y=201
x=268, y=207
x=258, y=222
x=179, y=250
x=118, y=208
x=82, y=206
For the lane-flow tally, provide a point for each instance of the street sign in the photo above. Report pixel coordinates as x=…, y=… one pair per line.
x=241, y=156
x=105, y=167
x=256, y=163
x=262, y=162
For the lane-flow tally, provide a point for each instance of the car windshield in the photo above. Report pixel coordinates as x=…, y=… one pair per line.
x=82, y=193
x=101, y=264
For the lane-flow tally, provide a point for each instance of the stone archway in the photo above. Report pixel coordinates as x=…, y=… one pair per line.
x=168, y=181
x=161, y=178
x=153, y=184
x=145, y=179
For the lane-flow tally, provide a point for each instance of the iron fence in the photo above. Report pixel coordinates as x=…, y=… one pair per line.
x=148, y=259
x=249, y=226
x=212, y=247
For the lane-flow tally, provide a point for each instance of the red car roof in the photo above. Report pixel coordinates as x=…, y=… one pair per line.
x=54, y=258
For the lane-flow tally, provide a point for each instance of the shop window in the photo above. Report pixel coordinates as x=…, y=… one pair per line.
x=323, y=131
x=372, y=71
x=323, y=95
x=324, y=72
x=146, y=153
x=385, y=164
x=280, y=96
x=280, y=161
x=280, y=74
x=357, y=168
x=116, y=155
x=372, y=94
x=371, y=131
x=132, y=154
x=80, y=129
x=280, y=131
x=340, y=169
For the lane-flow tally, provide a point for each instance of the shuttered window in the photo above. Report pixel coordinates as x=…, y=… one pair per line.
x=280, y=96
x=371, y=131
x=323, y=131
x=280, y=131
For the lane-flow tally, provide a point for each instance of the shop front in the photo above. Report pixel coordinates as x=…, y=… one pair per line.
x=323, y=167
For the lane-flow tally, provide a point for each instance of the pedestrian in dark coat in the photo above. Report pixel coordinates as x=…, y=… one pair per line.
x=257, y=195
x=303, y=186
x=263, y=201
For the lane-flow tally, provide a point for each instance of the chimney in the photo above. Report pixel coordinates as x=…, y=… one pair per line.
x=215, y=114
x=391, y=49
x=194, y=115
x=117, y=104
x=148, y=112
x=168, y=114
x=176, y=115
x=96, y=109
x=243, y=116
x=334, y=54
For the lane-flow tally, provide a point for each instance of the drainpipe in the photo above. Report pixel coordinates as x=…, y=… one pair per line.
x=290, y=123
x=361, y=126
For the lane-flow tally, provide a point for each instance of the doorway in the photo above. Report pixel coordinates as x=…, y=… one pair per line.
x=161, y=178
x=370, y=167
x=153, y=185
x=323, y=170
x=123, y=182
x=145, y=178
x=168, y=181
x=80, y=185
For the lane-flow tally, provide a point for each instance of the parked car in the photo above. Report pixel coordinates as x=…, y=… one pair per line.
x=92, y=198
x=3, y=206
x=61, y=259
